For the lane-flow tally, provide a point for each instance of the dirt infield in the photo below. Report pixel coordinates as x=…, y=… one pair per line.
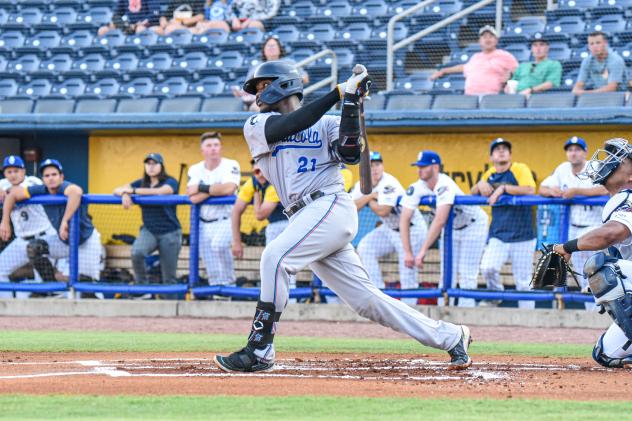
x=311, y=374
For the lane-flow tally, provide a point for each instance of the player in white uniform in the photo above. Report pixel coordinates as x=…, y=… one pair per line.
x=385, y=238
x=469, y=229
x=610, y=274
x=565, y=183
x=29, y=221
x=215, y=176
x=299, y=150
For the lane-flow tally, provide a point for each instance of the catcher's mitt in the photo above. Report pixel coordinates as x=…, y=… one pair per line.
x=551, y=269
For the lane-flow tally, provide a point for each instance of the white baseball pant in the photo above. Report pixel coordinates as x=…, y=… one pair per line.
x=89, y=253
x=318, y=236
x=578, y=259
x=467, y=248
x=384, y=240
x=215, y=240
x=614, y=343
x=521, y=255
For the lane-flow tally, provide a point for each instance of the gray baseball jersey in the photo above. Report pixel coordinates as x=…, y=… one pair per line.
x=299, y=164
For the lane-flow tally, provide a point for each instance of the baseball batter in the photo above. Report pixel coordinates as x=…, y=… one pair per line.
x=299, y=150
x=29, y=223
x=55, y=244
x=385, y=238
x=564, y=182
x=215, y=176
x=610, y=274
x=469, y=224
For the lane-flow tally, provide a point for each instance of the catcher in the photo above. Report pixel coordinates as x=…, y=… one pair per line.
x=609, y=274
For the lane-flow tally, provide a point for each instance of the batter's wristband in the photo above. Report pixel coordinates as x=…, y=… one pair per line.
x=570, y=246
x=204, y=188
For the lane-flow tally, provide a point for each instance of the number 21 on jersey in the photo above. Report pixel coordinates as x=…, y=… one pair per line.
x=305, y=164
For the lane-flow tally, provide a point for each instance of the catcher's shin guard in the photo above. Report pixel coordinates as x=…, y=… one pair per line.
x=602, y=359
x=38, y=252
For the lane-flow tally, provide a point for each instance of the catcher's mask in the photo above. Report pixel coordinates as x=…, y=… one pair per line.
x=605, y=161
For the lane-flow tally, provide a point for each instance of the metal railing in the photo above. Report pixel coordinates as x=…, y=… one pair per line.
x=392, y=47
x=331, y=80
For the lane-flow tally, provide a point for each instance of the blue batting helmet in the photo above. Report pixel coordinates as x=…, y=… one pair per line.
x=286, y=81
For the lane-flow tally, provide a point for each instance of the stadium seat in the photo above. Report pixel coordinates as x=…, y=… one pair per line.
x=25, y=18
x=498, y=102
x=178, y=37
x=403, y=5
x=625, y=52
x=44, y=40
x=15, y=106
x=400, y=32
x=227, y=60
x=568, y=80
x=36, y=88
x=78, y=39
x=60, y=16
x=90, y=63
x=301, y=54
x=111, y=39
x=610, y=24
x=157, y=62
x=372, y=9
x=222, y=104
x=70, y=87
x=142, y=39
x=211, y=85
x=355, y=32
x=186, y=104
x=322, y=32
x=452, y=83
x=173, y=86
x=24, y=64
x=142, y=86
x=463, y=56
x=344, y=57
x=552, y=100
x=4, y=17
x=192, y=61
x=521, y=52
x=445, y=7
x=249, y=36
x=3, y=63
x=417, y=82
x=524, y=28
x=54, y=106
x=57, y=63
x=581, y=5
x=91, y=106
x=137, y=105
x=455, y=102
x=8, y=87
x=559, y=51
x=210, y=38
x=567, y=25
x=103, y=87
x=125, y=62
x=598, y=100
x=96, y=16
x=335, y=9
x=408, y=102
x=375, y=102
x=11, y=40
x=287, y=34
x=301, y=9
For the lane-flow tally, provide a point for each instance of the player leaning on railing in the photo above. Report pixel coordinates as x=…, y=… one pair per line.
x=299, y=150
x=610, y=274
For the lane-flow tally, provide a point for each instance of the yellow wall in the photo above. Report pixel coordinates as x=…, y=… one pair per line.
x=117, y=159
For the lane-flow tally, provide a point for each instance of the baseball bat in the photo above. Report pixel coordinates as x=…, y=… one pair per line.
x=183, y=167
x=366, y=186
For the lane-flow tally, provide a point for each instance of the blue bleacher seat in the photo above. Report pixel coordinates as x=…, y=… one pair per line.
x=25, y=18
x=455, y=102
x=581, y=5
x=124, y=62
x=403, y=5
x=301, y=54
x=374, y=102
x=96, y=16
x=520, y=51
x=90, y=106
x=335, y=9
x=16, y=106
x=78, y=39
x=449, y=84
x=227, y=60
x=524, y=28
x=54, y=106
x=566, y=25
x=568, y=80
x=322, y=32
x=222, y=104
x=60, y=16
x=4, y=16
x=173, y=86
x=301, y=9
x=502, y=102
x=463, y=56
x=142, y=39
x=90, y=63
x=142, y=86
x=287, y=34
x=192, y=61
x=371, y=9
x=625, y=52
x=211, y=85
x=36, y=88
x=416, y=82
x=185, y=104
x=24, y=64
x=445, y=7
x=3, y=63
x=57, y=63
x=609, y=24
x=211, y=37
x=406, y=102
x=157, y=62
x=344, y=57
x=355, y=32
x=137, y=105
x=400, y=32
x=177, y=38
x=70, y=87
x=113, y=38
x=559, y=51
x=551, y=100
x=249, y=36
x=44, y=40
x=103, y=87
x=11, y=40
x=8, y=87
x=600, y=100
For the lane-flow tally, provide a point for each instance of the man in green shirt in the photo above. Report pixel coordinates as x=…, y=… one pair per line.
x=539, y=75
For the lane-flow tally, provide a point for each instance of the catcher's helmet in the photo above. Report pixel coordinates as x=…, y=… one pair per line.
x=286, y=81
x=605, y=161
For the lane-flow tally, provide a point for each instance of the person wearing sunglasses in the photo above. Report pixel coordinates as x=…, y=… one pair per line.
x=538, y=75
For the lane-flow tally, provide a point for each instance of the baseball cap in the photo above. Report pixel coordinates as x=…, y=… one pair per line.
x=488, y=28
x=12, y=161
x=51, y=163
x=425, y=158
x=538, y=37
x=499, y=141
x=576, y=141
x=376, y=156
x=154, y=156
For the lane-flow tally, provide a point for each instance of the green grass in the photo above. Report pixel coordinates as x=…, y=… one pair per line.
x=65, y=341
x=300, y=408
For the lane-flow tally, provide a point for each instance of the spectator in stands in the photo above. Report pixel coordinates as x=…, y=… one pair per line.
x=181, y=14
x=214, y=176
x=134, y=16
x=252, y=13
x=603, y=70
x=485, y=72
x=161, y=229
x=539, y=75
x=271, y=49
x=511, y=233
x=56, y=245
x=564, y=182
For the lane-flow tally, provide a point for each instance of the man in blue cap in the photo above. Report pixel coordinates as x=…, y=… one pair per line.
x=564, y=182
x=56, y=244
x=469, y=225
x=30, y=223
x=385, y=239
x=511, y=233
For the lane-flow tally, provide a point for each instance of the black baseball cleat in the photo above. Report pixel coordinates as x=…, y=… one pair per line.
x=243, y=361
x=459, y=358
